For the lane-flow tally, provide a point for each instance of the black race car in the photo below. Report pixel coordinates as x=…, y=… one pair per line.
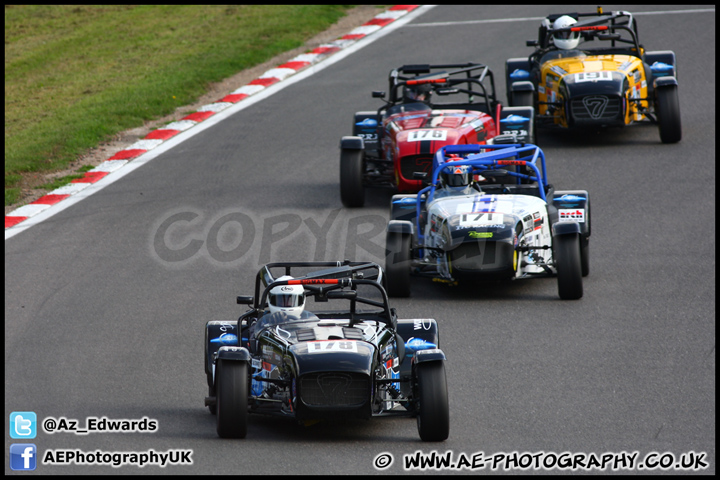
x=359, y=361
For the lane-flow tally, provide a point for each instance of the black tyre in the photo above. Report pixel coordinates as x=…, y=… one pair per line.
x=352, y=190
x=667, y=107
x=232, y=398
x=433, y=419
x=585, y=256
x=212, y=408
x=568, y=265
x=397, y=264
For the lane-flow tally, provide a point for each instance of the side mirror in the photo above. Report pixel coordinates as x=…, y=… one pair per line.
x=531, y=43
x=245, y=300
x=419, y=175
x=378, y=94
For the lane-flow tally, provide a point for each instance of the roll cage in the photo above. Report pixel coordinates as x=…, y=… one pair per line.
x=328, y=283
x=599, y=25
x=484, y=158
x=445, y=79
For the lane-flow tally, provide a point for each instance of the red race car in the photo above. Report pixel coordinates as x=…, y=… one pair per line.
x=394, y=146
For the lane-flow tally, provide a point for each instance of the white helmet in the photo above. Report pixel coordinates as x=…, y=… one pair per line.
x=289, y=299
x=565, y=40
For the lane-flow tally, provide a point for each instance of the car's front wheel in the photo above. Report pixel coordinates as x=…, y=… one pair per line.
x=232, y=398
x=568, y=266
x=667, y=107
x=352, y=190
x=433, y=419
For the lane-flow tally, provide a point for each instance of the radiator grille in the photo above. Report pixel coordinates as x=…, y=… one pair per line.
x=596, y=108
x=415, y=163
x=334, y=389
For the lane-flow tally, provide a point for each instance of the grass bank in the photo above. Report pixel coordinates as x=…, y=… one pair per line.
x=75, y=75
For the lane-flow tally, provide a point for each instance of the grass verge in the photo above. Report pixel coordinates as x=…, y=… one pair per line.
x=75, y=75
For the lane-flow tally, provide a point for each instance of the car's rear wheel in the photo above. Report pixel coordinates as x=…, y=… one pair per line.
x=232, y=398
x=433, y=419
x=352, y=190
x=568, y=266
x=397, y=264
x=667, y=107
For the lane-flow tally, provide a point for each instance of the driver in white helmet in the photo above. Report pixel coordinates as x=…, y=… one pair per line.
x=285, y=303
x=288, y=299
x=565, y=42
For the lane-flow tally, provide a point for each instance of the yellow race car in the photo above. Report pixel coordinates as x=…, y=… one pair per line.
x=589, y=70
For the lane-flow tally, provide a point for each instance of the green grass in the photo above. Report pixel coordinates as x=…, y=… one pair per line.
x=77, y=75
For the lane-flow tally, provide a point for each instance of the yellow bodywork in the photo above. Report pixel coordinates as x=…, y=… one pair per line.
x=592, y=67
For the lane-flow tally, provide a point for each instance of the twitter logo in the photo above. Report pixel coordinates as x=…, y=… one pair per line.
x=23, y=425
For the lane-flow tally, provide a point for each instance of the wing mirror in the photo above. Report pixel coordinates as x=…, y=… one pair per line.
x=378, y=94
x=245, y=299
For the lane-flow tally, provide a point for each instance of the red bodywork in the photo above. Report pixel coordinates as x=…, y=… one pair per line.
x=411, y=139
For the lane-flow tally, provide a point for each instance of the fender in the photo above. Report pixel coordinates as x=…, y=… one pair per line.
x=665, y=82
x=400, y=226
x=218, y=333
x=240, y=354
x=352, y=143
x=565, y=228
x=571, y=200
x=524, y=86
x=432, y=355
x=403, y=207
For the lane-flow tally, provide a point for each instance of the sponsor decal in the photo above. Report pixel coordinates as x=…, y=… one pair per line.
x=405, y=201
x=473, y=234
x=415, y=344
x=514, y=119
x=569, y=198
x=368, y=122
x=226, y=339
x=560, y=71
x=520, y=74
x=572, y=215
x=660, y=68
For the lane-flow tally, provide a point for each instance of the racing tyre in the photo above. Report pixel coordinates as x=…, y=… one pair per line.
x=397, y=264
x=667, y=106
x=433, y=419
x=568, y=265
x=585, y=256
x=232, y=398
x=352, y=190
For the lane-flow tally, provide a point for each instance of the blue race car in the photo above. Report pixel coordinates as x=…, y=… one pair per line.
x=489, y=213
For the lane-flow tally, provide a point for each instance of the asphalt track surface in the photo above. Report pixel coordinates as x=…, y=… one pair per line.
x=105, y=318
